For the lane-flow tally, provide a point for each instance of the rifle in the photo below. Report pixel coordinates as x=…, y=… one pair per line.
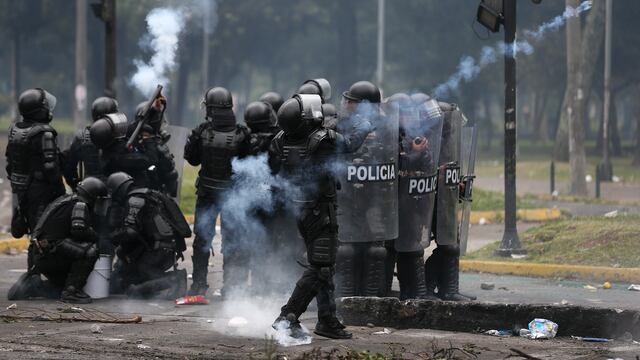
x=144, y=115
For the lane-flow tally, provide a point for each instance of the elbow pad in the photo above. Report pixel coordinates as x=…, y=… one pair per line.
x=135, y=207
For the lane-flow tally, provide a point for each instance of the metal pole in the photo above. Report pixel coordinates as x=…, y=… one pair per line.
x=110, y=47
x=607, y=172
x=510, y=241
x=380, y=65
x=206, y=24
x=552, y=176
x=80, y=95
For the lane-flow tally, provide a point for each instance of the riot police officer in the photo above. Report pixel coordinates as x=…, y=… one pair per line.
x=300, y=153
x=272, y=98
x=82, y=158
x=212, y=145
x=64, y=242
x=262, y=121
x=33, y=162
x=162, y=175
x=368, y=195
x=442, y=268
x=148, y=243
x=319, y=87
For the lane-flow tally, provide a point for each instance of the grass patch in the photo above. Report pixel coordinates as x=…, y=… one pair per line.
x=486, y=200
x=188, y=189
x=596, y=241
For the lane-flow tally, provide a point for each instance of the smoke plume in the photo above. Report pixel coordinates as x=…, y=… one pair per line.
x=163, y=25
x=469, y=67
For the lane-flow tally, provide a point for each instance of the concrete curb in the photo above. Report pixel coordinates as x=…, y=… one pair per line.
x=527, y=215
x=594, y=273
x=475, y=316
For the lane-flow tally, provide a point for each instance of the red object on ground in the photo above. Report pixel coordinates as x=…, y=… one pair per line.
x=192, y=300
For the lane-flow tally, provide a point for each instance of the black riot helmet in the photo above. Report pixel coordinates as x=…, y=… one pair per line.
x=259, y=116
x=219, y=104
x=90, y=189
x=290, y=118
x=109, y=128
x=363, y=91
x=119, y=184
x=272, y=98
x=37, y=105
x=102, y=106
x=218, y=97
x=316, y=87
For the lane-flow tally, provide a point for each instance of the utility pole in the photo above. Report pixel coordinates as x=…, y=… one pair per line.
x=79, y=110
x=206, y=29
x=380, y=65
x=110, y=47
x=606, y=169
x=510, y=241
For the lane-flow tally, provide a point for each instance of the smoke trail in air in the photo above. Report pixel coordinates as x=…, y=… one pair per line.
x=469, y=67
x=164, y=25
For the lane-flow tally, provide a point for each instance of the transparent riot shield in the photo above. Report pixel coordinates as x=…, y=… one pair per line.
x=469, y=142
x=420, y=137
x=446, y=228
x=368, y=187
x=176, y=144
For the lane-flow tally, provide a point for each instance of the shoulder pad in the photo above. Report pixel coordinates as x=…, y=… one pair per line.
x=140, y=192
x=41, y=128
x=318, y=136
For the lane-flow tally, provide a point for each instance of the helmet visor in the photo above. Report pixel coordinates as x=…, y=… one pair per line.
x=51, y=100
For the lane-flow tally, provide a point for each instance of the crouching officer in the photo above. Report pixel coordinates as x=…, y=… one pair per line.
x=65, y=247
x=149, y=242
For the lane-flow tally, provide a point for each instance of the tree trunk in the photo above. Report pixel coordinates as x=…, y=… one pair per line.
x=561, y=147
x=636, y=153
x=574, y=111
x=182, y=74
x=347, y=43
x=614, y=134
x=15, y=73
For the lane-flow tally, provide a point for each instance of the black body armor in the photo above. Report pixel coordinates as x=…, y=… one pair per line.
x=82, y=159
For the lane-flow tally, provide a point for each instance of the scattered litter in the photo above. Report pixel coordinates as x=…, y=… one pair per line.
x=611, y=214
x=590, y=339
x=501, y=333
x=588, y=178
x=503, y=288
x=487, y=286
x=12, y=306
x=385, y=331
x=209, y=321
x=634, y=287
x=192, y=300
x=616, y=179
x=69, y=314
x=542, y=329
x=96, y=329
x=590, y=287
x=71, y=309
x=370, y=325
x=524, y=332
x=11, y=251
x=518, y=256
x=237, y=322
x=482, y=221
x=217, y=293
x=143, y=347
x=618, y=311
x=564, y=302
x=190, y=277
x=110, y=339
x=554, y=193
x=606, y=285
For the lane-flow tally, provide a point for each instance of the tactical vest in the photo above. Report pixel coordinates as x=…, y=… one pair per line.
x=311, y=179
x=54, y=223
x=218, y=149
x=260, y=142
x=24, y=164
x=89, y=155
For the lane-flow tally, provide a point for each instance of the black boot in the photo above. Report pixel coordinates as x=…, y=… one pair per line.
x=26, y=287
x=431, y=268
x=449, y=286
x=291, y=324
x=411, y=275
x=200, y=269
x=373, y=278
x=75, y=296
x=332, y=328
x=235, y=274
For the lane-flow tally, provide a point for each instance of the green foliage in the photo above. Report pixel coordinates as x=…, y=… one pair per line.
x=597, y=241
x=485, y=200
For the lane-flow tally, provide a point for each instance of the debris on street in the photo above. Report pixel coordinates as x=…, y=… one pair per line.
x=542, y=329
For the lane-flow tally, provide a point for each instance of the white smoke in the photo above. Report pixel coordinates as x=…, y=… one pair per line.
x=164, y=26
x=469, y=67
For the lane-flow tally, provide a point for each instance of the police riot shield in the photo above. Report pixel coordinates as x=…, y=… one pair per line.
x=176, y=145
x=367, y=178
x=469, y=142
x=420, y=137
x=446, y=227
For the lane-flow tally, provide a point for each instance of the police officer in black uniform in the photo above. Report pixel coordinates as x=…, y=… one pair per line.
x=64, y=242
x=82, y=158
x=33, y=162
x=272, y=98
x=162, y=175
x=300, y=153
x=148, y=243
x=212, y=145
